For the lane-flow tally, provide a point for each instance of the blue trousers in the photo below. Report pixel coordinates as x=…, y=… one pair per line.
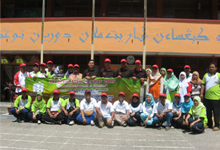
x=197, y=127
x=132, y=122
x=88, y=118
x=38, y=117
x=144, y=117
x=22, y=115
x=167, y=117
x=70, y=118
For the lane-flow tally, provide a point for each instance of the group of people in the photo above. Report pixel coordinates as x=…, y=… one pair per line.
x=168, y=100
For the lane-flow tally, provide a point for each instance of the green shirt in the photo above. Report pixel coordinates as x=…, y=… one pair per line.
x=202, y=115
x=38, y=106
x=22, y=103
x=212, y=86
x=55, y=105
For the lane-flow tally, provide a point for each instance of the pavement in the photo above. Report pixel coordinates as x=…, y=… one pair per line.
x=31, y=136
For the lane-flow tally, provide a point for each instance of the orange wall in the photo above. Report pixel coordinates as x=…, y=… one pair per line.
x=159, y=36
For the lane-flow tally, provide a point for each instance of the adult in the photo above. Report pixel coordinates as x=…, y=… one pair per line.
x=211, y=85
x=138, y=72
x=170, y=84
x=124, y=71
x=69, y=71
x=19, y=78
x=49, y=66
x=91, y=72
x=107, y=71
x=35, y=70
x=163, y=72
x=121, y=110
x=87, y=109
x=105, y=112
x=196, y=119
x=53, y=114
x=60, y=74
x=43, y=73
x=135, y=111
x=184, y=86
x=187, y=70
x=38, y=109
x=155, y=83
x=196, y=84
x=148, y=111
x=22, y=106
x=54, y=69
x=176, y=110
x=76, y=74
x=70, y=108
x=163, y=112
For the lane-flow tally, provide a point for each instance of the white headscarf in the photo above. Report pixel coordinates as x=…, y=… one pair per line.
x=183, y=84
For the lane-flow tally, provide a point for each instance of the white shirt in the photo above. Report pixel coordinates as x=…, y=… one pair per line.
x=19, y=80
x=160, y=108
x=137, y=109
x=106, y=109
x=41, y=75
x=33, y=74
x=22, y=103
x=85, y=106
x=189, y=77
x=148, y=110
x=121, y=107
x=174, y=108
x=55, y=105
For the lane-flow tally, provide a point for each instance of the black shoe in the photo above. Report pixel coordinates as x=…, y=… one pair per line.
x=167, y=128
x=124, y=125
x=159, y=128
x=16, y=120
x=19, y=121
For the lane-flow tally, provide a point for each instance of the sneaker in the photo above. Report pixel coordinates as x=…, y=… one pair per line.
x=38, y=122
x=159, y=128
x=19, y=121
x=167, y=128
x=71, y=123
x=124, y=125
x=164, y=124
x=215, y=129
x=59, y=122
x=92, y=123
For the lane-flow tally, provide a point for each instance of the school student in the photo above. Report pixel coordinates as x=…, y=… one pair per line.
x=176, y=110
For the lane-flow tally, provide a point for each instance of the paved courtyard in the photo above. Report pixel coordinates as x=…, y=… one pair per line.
x=32, y=136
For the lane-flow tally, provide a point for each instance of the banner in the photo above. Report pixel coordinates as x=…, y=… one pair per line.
x=111, y=86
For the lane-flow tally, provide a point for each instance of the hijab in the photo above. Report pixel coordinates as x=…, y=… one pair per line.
x=196, y=110
x=198, y=80
x=177, y=105
x=163, y=69
x=170, y=83
x=154, y=77
x=152, y=102
x=183, y=84
x=187, y=105
x=133, y=104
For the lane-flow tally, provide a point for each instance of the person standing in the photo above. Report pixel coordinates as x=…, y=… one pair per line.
x=211, y=86
x=43, y=73
x=163, y=72
x=138, y=72
x=35, y=70
x=76, y=74
x=19, y=78
x=184, y=86
x=91, y=73
x=69, y=71
x=60, y=74
x=187, y=70
x=196, y=84
x=155, y=83
x=124, y=71
x=107, y=71
x=105, y=112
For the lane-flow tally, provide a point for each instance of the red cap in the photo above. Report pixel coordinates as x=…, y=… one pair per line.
x=162, y=95
x=186, y=66
x=177, y=95
x=137, y=62
x=70, y=65
x=22, y=65
x=56, y=91
x=171, y=70
x=43, y=64
x=187, y=95
x=108, y=60
x=123, y=60
x=121, y=93
x=155, y=66
x=104, y=94
x=23, y=90
x=72, y=92
x=87, y=91
x=36, y=64
x=135, y=95
x=76, y=66
x=49, y=62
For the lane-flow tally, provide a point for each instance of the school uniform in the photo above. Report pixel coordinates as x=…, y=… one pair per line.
x=120, y=111
x=137, y=110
